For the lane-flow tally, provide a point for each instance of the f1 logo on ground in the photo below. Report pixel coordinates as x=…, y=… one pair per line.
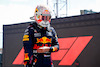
x=70, y=49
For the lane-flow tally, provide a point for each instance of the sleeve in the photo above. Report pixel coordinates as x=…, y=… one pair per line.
x=28, y=45
x=55, y=45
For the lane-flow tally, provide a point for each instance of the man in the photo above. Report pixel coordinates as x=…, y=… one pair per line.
x=40, y=40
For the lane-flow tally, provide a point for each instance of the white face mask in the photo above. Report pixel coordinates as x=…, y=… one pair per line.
x=44, y=23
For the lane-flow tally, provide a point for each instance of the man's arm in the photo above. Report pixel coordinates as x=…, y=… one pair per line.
x=55, y=45
x=27, y=43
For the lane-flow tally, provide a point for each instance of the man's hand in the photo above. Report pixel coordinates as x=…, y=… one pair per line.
x=43, y=49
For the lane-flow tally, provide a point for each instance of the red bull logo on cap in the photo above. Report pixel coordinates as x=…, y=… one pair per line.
x=44, y=40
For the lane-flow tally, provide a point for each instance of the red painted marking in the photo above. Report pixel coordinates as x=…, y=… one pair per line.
x=58, y=55
x=75, y=50
x=20, y=58
x=66, y=42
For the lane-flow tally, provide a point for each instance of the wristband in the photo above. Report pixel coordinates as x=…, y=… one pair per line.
x=51, y=49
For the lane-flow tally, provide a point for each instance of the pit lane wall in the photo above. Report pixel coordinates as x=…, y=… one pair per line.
x=78, y=40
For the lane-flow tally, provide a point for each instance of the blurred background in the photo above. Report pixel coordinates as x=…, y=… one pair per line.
x=19, y=11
